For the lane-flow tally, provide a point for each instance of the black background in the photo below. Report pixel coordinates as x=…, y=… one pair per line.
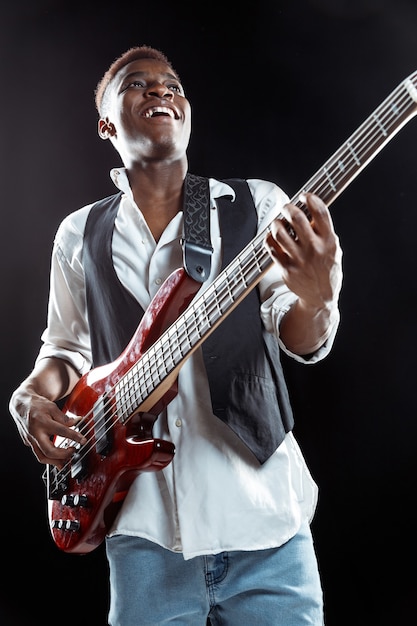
x=276, y=87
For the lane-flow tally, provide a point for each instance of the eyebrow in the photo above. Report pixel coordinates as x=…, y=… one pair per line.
x=166, y=75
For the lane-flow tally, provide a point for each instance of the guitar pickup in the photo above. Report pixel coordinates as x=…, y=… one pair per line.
x=102, y=422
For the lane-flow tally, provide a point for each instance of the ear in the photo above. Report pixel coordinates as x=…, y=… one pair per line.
x=106, y=129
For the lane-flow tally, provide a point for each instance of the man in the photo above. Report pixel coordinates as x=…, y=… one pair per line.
x=222, y=532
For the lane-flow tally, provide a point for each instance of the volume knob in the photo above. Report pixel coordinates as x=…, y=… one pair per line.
x=74, y=500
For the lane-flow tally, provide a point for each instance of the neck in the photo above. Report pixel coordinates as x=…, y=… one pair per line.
x=158, y=192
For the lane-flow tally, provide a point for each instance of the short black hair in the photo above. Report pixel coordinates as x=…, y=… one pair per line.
x=132, y=54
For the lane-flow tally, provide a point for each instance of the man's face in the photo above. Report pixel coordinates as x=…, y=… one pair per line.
x=149, y=112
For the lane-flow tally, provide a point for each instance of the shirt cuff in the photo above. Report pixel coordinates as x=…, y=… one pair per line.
x=76, y=359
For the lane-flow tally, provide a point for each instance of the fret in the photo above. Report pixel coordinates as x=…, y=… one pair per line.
x=169, y=355
x=239, y=276
x=175, y=343
x=186, y=341
x=395, y=109
x=192, y=332
x=150, y=379
x=233, y=280
x=257, y=259
x=227, y=296
x=128, y=403
x=205, y=321
x=218, y=308
x=211, y=308
x=256, y=256
x=224, y=301
x=230, y=292
x=146, y=384
x=206, y=305
x=126, y=399
x=159, y=362
x=341, y=166
x=134, y=396
x=329, y=178
x=353, y=153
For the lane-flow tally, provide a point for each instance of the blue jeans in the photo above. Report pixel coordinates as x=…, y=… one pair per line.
x=151, y=586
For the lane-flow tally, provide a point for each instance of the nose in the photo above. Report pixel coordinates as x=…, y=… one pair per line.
x=160, y=90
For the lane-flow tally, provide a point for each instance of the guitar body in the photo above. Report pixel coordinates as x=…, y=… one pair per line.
x=85, y=496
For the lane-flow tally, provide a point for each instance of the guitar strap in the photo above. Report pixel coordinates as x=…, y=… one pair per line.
x=196, y=244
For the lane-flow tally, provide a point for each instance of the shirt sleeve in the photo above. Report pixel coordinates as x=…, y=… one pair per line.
x=276, y=298
x=66, y=335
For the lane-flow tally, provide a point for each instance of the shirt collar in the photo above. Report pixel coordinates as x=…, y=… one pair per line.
x=218, y=188
x=121, y=180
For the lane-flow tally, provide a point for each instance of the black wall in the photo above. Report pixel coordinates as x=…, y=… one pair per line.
x=276, y=87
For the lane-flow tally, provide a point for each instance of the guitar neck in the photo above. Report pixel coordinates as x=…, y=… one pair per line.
x=368, y=140
x=208, y=310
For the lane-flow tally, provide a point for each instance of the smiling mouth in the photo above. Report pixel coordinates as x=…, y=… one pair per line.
x=160, y=111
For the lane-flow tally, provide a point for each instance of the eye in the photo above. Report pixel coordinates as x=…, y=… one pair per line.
x=134, y=83
x=177, y=87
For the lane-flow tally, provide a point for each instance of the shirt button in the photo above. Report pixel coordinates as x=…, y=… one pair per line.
x=178, y=422
x=158, y=281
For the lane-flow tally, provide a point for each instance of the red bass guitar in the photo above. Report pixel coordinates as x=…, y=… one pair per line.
x=118, y=403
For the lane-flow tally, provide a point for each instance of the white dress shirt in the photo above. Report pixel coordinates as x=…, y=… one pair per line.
x=214, y=495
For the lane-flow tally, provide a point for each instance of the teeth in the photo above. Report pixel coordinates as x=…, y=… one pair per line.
x=155, y=110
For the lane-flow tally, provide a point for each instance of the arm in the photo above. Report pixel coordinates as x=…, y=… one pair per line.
x=312, y=269
x=37, y=417
x=64, y=354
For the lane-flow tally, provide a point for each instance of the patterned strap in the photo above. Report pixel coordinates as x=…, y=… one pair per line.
x=197, y=248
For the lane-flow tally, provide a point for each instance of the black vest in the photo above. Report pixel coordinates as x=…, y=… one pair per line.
x=242, y=360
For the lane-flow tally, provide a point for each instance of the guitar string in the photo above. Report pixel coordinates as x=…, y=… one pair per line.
x=326, y=178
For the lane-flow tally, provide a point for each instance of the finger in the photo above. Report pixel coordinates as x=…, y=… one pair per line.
x=275, y=250
x=49, y=454
x=317, y=209
x=43, y=434
x=307, y=221
x=65, y=426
